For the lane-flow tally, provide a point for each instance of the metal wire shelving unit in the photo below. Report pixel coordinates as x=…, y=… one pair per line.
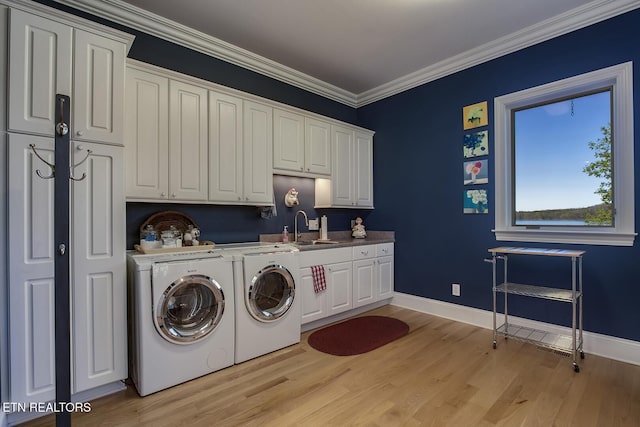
x=571, y=345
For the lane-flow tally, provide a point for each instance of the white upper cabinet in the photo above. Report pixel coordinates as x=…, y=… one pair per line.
x=98, y=88
x=188, y=166
x=189, y=140
x=225, y=148
x=45, y=56
x=363, y=169
x=147, y=135
x=40, y=67
x=257, y=153
x=317, y=146
x=240, y=151
x=351, y=184
x=288, y=141
x=301, y=145
x=343, y=166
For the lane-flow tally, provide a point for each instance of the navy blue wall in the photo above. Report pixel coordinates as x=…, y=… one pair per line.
x=419, y=190
x=418, y=183
x=230, y=224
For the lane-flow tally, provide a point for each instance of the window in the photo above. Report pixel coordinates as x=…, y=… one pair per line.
x=563, y=177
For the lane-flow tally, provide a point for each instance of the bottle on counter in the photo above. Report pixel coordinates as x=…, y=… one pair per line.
x=187, y=239
x=285, y=234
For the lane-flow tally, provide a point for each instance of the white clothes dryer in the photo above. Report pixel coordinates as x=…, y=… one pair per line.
x=267, y=305
x=182, y=317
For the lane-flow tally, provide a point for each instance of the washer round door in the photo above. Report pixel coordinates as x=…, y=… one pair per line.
x=190, y=309
x=270, y=293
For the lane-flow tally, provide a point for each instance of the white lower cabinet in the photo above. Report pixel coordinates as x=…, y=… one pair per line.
x=364, y=275
x=97, y=245
x=356, y=276
x=338, y=273
x=372, y=273
x=384, y=271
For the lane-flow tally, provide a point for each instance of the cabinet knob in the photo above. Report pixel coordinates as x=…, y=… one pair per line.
x=301, y=168
x=246, y=198
x=308, y=170
x=80, y=147
x=239, y=198
x=79, y=133
x=173, y=195
x=162, y=194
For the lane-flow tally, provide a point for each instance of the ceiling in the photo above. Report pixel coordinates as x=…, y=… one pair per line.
x=357, y=51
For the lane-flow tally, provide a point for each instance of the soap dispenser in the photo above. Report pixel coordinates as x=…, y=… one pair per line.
x=285, y=234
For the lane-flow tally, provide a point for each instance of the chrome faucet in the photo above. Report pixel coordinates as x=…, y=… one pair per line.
x=295, y=224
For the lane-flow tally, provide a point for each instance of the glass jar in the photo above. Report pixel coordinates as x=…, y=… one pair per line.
x=149, y=238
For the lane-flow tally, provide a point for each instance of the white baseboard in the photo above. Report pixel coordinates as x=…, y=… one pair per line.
x=601, y=345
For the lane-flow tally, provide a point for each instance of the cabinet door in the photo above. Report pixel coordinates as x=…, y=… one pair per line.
x=225, y=148
x=363, y=170
x=98, y=88
x=40, y=67
x=31, y=271
x=188, y=174
x=99, y=327
x=314, y=305
x=288, y=141
x=339, y=287
x=258, y=149
x=343, y=162
x=364, y=282
x=147, y=135
x=384, y=275
x=317, y=147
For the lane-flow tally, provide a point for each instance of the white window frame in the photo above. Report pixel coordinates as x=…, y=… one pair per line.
x=620, y=78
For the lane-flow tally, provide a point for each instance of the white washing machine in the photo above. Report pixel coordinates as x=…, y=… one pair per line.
x=267, y=304
x=181, y=317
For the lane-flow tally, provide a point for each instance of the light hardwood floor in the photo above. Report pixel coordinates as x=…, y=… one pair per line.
x=443, y=373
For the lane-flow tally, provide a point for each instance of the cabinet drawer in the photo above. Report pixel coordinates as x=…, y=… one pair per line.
x=384, y=249
x=364, y=252
x=324, y=256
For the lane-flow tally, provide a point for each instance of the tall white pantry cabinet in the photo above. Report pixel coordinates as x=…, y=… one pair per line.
x=51, y=52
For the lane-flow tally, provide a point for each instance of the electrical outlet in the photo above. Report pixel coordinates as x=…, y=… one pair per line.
x=313, y=224
x=455, y=289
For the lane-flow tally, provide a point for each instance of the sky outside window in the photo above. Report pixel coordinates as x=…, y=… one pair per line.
x=551, y=150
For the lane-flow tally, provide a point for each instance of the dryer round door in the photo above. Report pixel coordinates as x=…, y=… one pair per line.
x=189, y=309
x=270, y=293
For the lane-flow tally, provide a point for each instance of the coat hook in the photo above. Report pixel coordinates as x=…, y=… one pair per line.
x=53, y=167
x=84, y=174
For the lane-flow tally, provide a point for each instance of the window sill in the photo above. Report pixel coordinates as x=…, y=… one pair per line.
x=564, y=236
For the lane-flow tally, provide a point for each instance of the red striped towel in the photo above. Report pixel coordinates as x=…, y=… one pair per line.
x=319, y=281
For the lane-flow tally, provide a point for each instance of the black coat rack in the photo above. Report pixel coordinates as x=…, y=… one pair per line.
x=62, y=174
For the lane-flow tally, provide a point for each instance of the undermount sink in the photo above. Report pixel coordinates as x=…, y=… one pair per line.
x=315, y=242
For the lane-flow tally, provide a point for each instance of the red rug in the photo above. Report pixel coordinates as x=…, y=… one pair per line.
x=358, y=335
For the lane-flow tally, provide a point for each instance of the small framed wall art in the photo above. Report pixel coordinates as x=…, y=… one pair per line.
x=476, y=172
x=475, y=115
x=475, y=202
x=476, y=144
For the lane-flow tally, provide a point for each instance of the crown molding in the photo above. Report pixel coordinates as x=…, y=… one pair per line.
x=580, y=17
x=139, y=19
